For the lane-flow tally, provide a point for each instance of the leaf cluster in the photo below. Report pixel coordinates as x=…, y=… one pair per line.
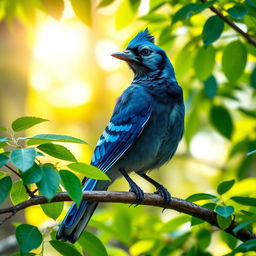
x=25, y=172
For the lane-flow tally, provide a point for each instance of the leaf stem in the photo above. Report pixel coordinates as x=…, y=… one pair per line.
x=29, y=192
x=13, y=170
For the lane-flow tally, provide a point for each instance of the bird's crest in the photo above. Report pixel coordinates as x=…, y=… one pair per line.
x=143, y=36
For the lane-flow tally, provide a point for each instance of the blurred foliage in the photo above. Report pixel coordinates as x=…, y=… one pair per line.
x=215, y=65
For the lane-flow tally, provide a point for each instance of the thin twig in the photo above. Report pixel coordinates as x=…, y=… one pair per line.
x=29, y=192
x=150, y=199
x=13, y=170
x=247, y=36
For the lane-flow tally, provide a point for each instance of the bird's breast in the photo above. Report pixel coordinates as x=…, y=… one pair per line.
x=157, y=142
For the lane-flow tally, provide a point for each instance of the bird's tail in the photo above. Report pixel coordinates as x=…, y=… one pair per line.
x=77, y=218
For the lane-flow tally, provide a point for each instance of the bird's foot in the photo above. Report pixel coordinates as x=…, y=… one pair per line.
x=138, y=192
x=165, y=194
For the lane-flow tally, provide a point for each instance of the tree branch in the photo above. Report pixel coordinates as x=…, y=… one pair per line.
x=247, y=36
x=150, y=199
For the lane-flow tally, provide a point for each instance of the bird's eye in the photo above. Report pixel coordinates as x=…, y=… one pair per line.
x=145, y=51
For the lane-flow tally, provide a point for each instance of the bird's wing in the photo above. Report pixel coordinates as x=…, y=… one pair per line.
x=124, y=127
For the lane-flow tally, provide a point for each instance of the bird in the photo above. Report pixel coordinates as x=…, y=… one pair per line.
x=143, y=133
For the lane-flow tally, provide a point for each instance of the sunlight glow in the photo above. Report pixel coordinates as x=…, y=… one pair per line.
x=40, y=80
x=104, y=49
x=70, y=95
x=58, y=41
x=144, y=7
x=68, y=12
x=208, y=147
x=60, y=49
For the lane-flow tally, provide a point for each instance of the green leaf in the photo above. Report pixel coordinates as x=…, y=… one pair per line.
x=210, y=87
x=217, y=115
x=54, y=8
x=39, y=154
x=4, y=139
x=246, y=213
x=49, y=184
x=253, y=78
x=239, y=147
x=229, y=240
x=251, y=153
x=234, y=59
x=3, y=160
x=192, y=123
x=210, y=206
x=28, y=10
x=184, y=12
x=92, y=244
x=104, y=3
x=134, y=4
x=200, y=196
x=82, y=10
x=249, y=221
x=23, y=158
x=166, y=38
x=2, y=174
x=174, y=224
x=184, y=62
x=72, y=184
x=64, y=249
x=57, y=151
x=238, y=11
x=155, y=17
x=53, y=210
x=252, y=3
x=250, y=113
x=124, y=14
x=247, y=246
x=32, y=175
x=88, y=171
x=28, y=237
x=122, y=224
x=189, y=10
x=141, y=247
x=196, y=221
x=251, y=201
x=5, y=188
x=225, y=211
x=3, y=144
x=175, y=244
x=204, y=62
x=3, y=129
x=212, y=30
x=223, y=222
x=18, y=193
x=225, y=186
x=26, y=122
x=155, y=4
x=42, y=138
x=204, y=238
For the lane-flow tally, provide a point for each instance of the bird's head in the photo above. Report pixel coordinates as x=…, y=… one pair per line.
x=145, y=58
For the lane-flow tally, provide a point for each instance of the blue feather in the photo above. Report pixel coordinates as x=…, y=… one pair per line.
x=143, y=36
x=118, y=136
x=144, y=130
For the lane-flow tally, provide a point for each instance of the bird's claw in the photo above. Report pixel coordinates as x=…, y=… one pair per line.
x=165, y=194
x=139, y=195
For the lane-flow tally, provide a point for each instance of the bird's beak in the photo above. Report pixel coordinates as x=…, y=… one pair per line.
x=124, y=55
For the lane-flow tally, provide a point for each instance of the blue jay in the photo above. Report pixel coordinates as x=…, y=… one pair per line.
x=143, y=132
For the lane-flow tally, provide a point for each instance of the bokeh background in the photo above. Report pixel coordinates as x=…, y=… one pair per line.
x=54, y=66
